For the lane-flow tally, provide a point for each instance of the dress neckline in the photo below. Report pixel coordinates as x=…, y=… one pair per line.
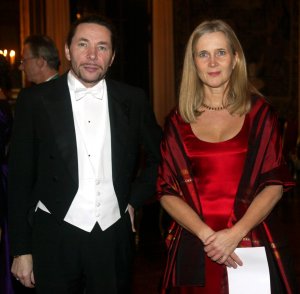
x=245, y=123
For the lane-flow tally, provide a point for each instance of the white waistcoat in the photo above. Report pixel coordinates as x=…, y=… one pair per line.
x=95, y=200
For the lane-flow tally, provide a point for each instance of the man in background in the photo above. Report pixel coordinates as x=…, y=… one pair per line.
x=40, y=61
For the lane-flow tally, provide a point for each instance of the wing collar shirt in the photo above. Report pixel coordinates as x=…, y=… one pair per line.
x=95, y=200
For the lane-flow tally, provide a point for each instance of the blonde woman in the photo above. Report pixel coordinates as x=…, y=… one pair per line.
x=222, y=171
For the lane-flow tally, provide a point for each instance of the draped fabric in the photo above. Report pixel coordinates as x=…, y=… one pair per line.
x=5, y=130
x=264, y=165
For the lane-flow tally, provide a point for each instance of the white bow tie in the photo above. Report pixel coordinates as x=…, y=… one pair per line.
x=82, y=92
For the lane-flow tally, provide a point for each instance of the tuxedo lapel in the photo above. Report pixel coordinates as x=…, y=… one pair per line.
x=59, y=108
x=119, y=119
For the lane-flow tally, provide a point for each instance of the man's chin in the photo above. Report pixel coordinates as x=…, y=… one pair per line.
x=89, y=81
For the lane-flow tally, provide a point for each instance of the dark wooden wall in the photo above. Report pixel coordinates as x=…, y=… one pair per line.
x=132, y=21
x=268, y=32
x=267, y=29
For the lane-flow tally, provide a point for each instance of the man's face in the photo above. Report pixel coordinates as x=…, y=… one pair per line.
x=90, y=53
x=30, y=65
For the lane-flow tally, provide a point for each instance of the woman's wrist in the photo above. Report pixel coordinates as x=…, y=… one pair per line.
x=205, y=233
x=239, y=230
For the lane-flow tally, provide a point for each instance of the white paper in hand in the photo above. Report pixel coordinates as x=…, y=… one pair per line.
x=253, y=276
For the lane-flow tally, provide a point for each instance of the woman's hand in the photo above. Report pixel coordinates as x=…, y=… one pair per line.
x=220, y=247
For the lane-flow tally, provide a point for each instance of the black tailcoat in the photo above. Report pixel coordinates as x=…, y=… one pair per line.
x=43, y=156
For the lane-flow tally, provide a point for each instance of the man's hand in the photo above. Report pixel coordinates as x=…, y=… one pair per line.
x=22, y=270
x=131, y=214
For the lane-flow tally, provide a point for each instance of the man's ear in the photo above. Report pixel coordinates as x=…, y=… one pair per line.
x=41, y=62
x=67, y=52
x=112, y=59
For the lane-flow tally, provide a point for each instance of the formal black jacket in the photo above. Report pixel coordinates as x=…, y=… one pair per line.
x=43, y=156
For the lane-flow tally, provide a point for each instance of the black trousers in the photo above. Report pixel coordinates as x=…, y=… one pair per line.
x=68, y=260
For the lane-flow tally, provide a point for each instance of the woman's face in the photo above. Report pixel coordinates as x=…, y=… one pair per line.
x=214, y=60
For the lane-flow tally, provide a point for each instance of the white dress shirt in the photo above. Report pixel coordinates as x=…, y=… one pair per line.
x=95, y=200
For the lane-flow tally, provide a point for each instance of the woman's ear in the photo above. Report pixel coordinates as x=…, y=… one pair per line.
x=235, y=60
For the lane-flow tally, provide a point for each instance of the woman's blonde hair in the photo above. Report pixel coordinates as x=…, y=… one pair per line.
x=191, y=88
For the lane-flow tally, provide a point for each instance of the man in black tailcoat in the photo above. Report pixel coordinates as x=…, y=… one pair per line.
x=72, y=173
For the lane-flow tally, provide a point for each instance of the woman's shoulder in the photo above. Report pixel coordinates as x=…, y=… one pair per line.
x=174, y=117
x=261, y=109
x=260, y=102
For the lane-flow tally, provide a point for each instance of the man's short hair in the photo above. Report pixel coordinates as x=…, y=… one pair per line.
x=94, y=19
x=43, y=46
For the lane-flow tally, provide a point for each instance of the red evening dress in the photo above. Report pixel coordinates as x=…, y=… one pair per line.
x=217, y=169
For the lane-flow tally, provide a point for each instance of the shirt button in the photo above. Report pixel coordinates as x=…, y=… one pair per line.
x=98, y=193
x=98, y=204
x=97, y=182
